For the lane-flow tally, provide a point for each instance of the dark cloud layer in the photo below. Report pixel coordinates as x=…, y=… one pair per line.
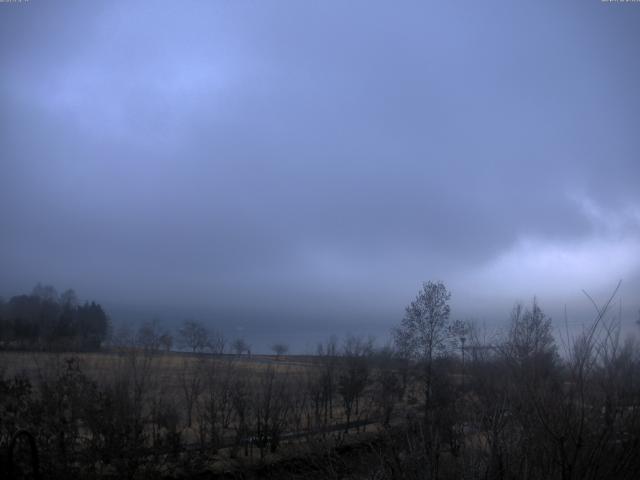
x=286, y=164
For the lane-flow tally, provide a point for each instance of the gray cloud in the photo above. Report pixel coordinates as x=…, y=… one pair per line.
x=281, y=163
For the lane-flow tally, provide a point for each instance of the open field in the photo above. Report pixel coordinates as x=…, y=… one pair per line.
x=169, y=372
x=98, y=364
x=227, y=406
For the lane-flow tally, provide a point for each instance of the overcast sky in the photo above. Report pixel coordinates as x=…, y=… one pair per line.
x=304, y=165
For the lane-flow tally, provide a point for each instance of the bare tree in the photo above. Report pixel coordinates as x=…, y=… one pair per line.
x=327, y=356
x=424, y=329
x=166, y=341
x=280, y=349
x=243, y=406
x=354, y=375
x=389, y=382
x=423, y=335
x=240, y=346
x=530, y=334
x=217, y=342
x=149, y=336
x=194, y=336
x=191, y=383
x=270, y=409
x=123, y=338
x=216, y=407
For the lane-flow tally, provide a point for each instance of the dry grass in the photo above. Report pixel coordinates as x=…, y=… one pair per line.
x=34, y=365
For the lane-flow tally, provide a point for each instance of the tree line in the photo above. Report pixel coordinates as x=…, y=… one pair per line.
x=45, y=319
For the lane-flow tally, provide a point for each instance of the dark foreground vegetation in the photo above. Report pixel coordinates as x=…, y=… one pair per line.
x=442, y=402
